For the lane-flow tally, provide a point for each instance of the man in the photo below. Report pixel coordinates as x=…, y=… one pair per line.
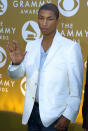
x=54, y=73
x=85, y=103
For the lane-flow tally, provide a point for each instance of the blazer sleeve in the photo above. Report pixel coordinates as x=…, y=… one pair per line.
x=75, y=81
x=17, y=71
x=85, y=103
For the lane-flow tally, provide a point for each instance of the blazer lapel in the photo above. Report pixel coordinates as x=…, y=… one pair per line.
x=54, y=47
x=35, y=54
x=38, y=52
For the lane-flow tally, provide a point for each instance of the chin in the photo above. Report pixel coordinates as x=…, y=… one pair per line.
x=45, y=33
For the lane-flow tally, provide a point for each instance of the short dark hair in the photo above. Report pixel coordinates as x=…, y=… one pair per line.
x=51, y=7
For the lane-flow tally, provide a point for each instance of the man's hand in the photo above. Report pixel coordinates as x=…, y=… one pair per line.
x=62, y=123
x=15, y=53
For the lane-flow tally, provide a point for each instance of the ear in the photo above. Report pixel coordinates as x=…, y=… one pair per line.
x=57, y=22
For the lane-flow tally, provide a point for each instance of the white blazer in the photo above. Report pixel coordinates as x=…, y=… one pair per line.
x=61, y=78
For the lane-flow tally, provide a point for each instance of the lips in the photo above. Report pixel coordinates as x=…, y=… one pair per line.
x=44, y=29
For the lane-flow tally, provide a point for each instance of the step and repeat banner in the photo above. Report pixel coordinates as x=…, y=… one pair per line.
x=18, y=21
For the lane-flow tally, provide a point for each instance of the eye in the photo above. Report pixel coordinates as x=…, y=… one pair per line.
x=51, y=19
x=3, y=57
x=68, y=5
x=23, y=86
x=41, y=18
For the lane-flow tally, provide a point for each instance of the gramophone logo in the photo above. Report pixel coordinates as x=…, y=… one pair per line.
x=68, y=8
x=3, y=57
x=23, y=86
x=85, y=64
x=30, y=31
x=3, y=6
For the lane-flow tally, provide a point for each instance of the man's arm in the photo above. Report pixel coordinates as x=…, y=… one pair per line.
x=16, y=68
x=75, y=76
x=16, y=71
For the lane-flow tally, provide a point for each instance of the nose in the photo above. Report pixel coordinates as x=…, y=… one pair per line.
x=44, y=22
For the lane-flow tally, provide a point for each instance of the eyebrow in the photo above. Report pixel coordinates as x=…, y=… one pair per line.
x=47, y=17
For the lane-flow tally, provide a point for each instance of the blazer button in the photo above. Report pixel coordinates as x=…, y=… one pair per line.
x=36, y=84
x=33, y=98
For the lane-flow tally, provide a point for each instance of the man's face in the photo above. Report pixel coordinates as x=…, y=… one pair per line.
x=47, y=22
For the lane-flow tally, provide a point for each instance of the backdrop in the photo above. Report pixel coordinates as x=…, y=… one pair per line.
x=18, y=21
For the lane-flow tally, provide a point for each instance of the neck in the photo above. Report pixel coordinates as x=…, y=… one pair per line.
x=47, y=40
